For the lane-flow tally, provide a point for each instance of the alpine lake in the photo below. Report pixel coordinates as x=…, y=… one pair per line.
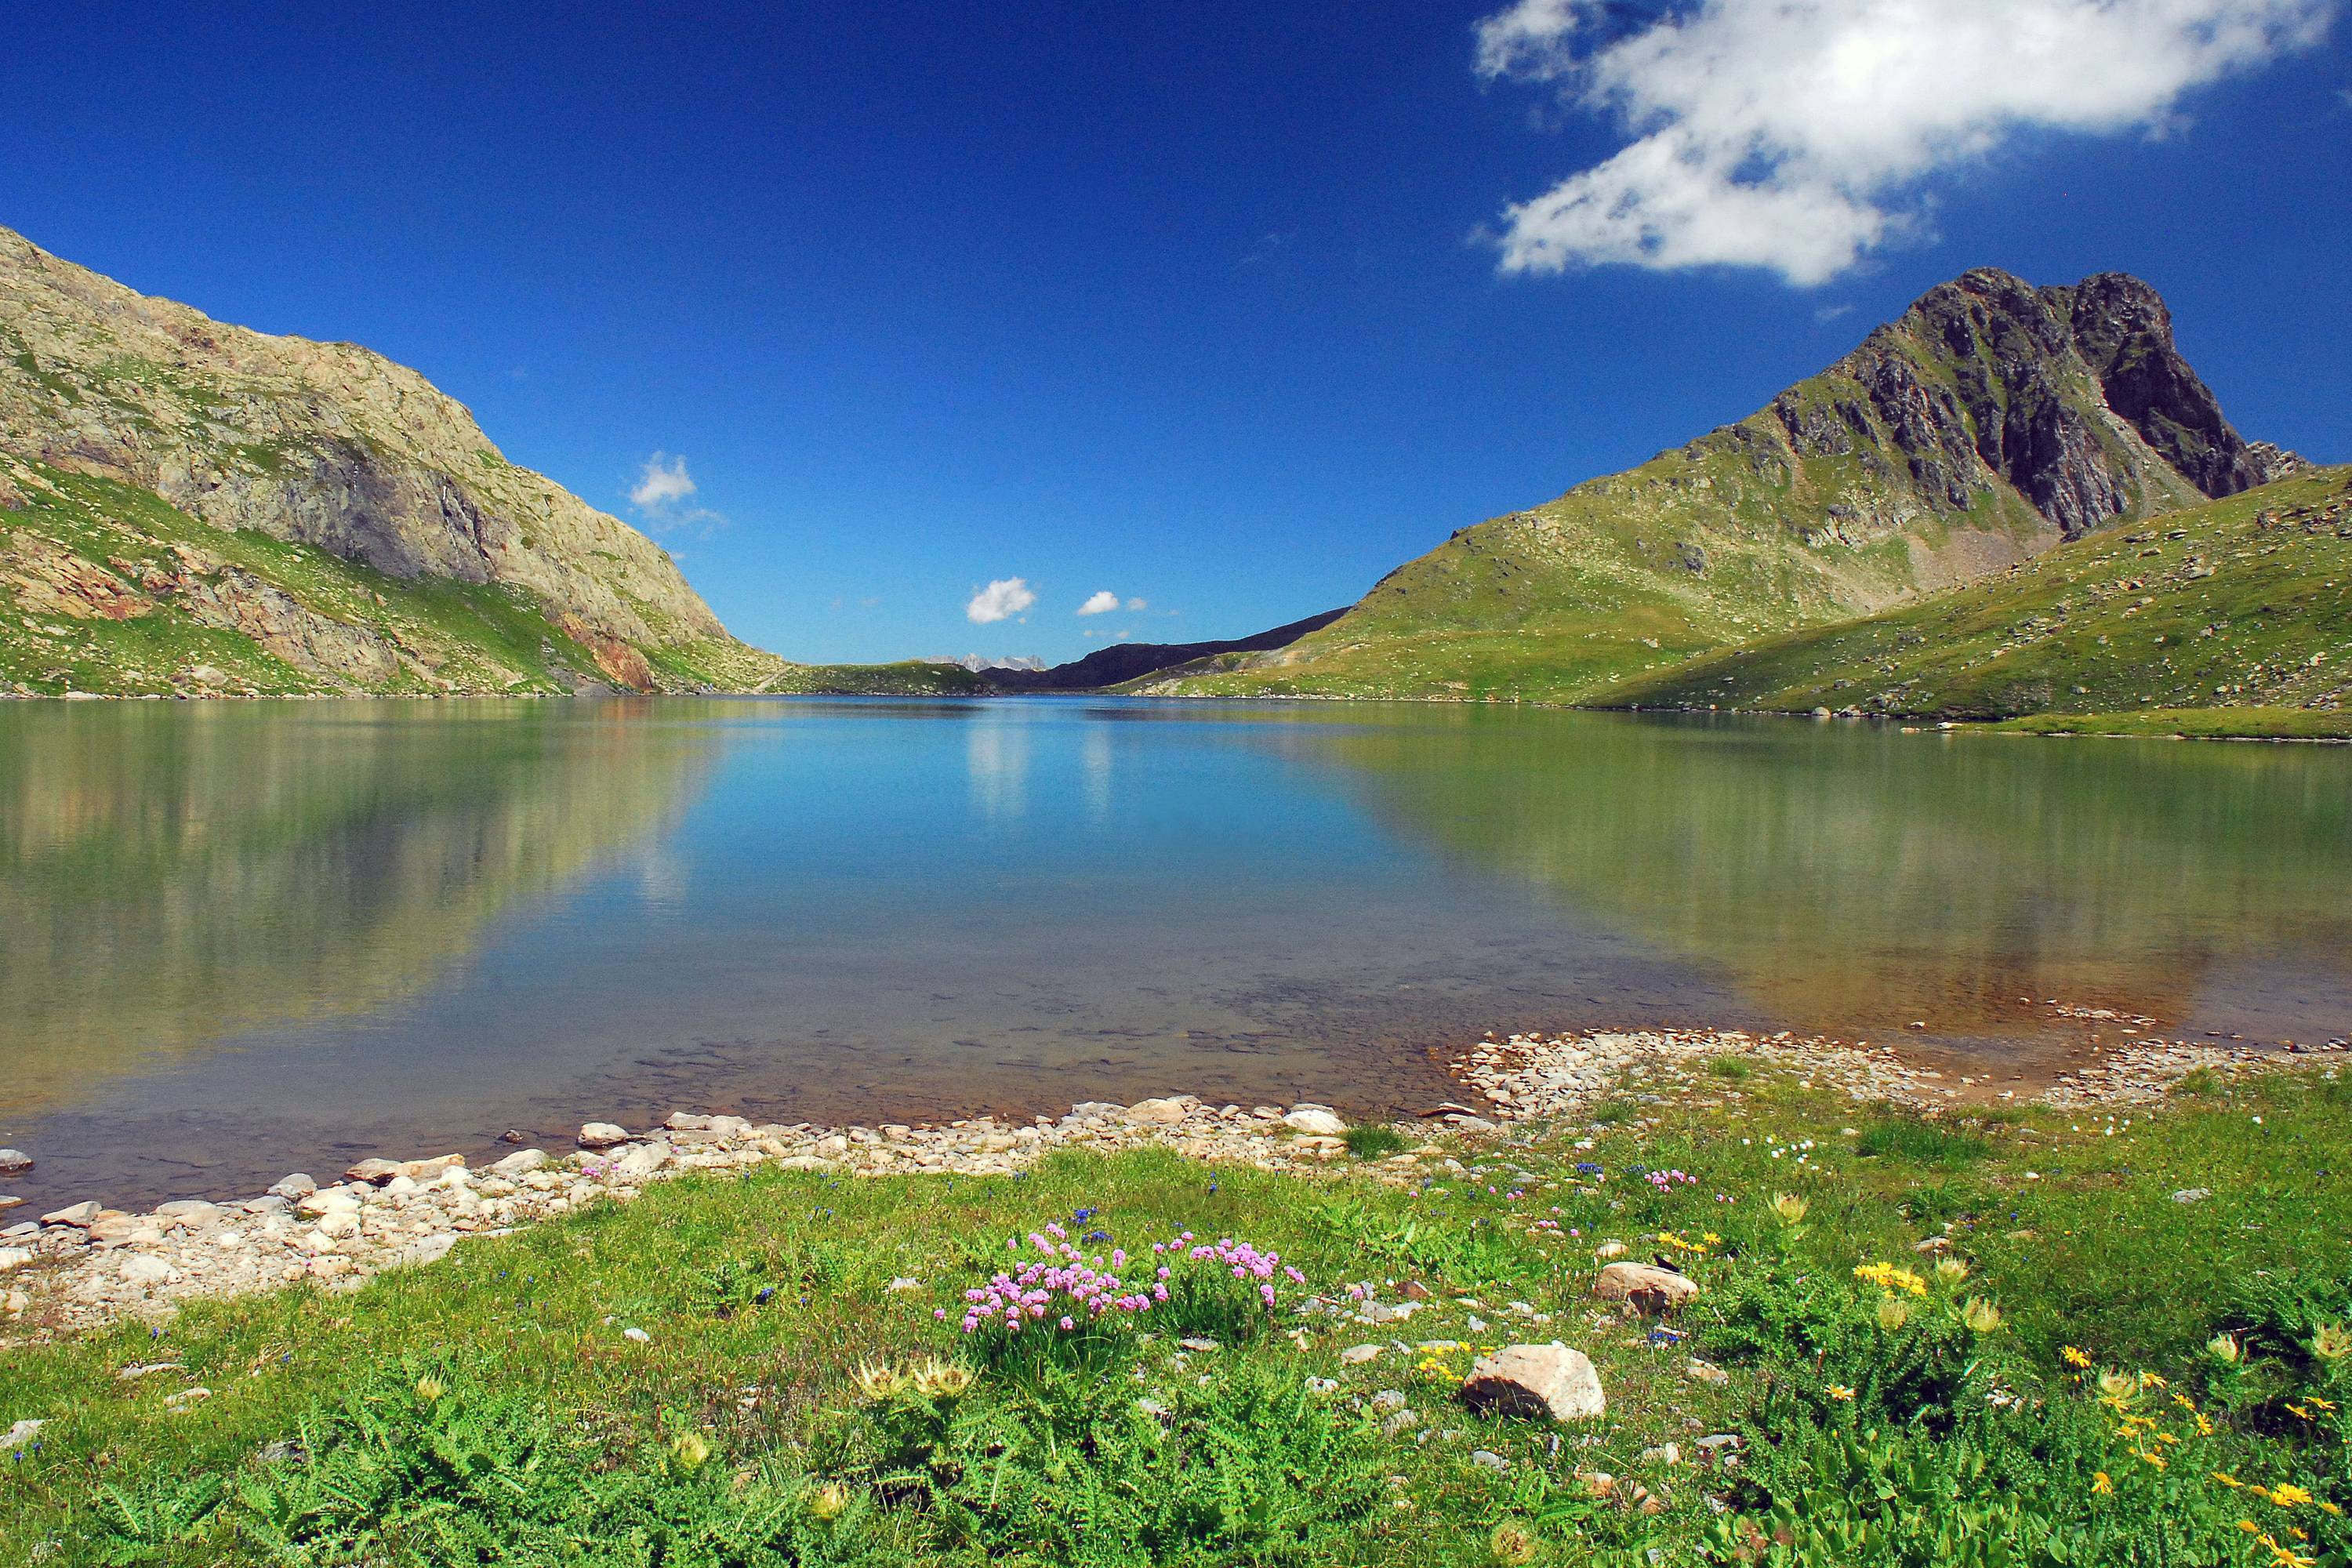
x=238, y=939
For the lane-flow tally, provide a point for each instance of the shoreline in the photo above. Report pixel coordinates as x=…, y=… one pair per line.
x=82, y=1266
x=2025, y=724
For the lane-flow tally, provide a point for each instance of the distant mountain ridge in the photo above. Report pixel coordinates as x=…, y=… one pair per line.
x=1128, y=661
x=1991, y=422
x=107, y=394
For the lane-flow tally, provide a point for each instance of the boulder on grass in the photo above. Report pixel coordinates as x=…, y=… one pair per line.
x=1646, y=1288
x=1541, y=1381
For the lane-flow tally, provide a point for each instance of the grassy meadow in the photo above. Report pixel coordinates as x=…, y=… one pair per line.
x=2126, y=1343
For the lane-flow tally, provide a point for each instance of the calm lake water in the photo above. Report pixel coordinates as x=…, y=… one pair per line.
x=239, y=938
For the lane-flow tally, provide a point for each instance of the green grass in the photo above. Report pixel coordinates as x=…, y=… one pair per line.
x=1920, y=1142
x=909, y=677
x=1373, y=1141
x=2229, y=618
x=477, y=637
x=493, y=1409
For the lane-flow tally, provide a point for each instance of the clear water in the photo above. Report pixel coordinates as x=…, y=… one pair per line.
x=239, y=938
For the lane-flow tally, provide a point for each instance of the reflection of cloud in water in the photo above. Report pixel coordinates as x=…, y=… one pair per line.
x=1094, y=761
x=174, y=875
x=996, y=759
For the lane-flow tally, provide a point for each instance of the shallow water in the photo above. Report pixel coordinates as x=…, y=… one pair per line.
x=237, y=939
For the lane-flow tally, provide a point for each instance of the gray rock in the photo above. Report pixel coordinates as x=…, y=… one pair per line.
x=14, y=1162
x=2192, y=1195
x=142, y=1269
x=187, y=1209
x=14, y=1257
x=1536, y=1379
x=22, y=1432
x=78, y=1215
x=1314, y=1120
x=521, y=1162
x=1356, y=1355
x=1487, y=1460
x=640, y=1162
x=1399, y=1422
x=296, y=1186
x=602, y=1136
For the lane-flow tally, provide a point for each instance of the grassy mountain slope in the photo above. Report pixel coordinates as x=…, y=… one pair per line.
x=2243, y=603
x=132, y=428
x=106, y=589
x=1992, y=421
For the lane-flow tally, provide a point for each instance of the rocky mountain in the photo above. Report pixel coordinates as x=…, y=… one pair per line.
x=311, y=513
x=1991, y=422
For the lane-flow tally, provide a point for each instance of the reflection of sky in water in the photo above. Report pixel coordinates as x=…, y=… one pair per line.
x=254, y=938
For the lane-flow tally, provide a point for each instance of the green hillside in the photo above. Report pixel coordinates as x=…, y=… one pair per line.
x=1991, y=422
x=2239, y=604
x=106, y=589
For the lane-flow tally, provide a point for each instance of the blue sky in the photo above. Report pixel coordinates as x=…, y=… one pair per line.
x=1203, y=305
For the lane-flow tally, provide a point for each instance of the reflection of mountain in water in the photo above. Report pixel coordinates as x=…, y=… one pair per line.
x=1854, y=879
x=171, y=876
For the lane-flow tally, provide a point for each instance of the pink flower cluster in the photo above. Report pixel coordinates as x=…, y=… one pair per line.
x=1662, y=1180
x=1072, y=1287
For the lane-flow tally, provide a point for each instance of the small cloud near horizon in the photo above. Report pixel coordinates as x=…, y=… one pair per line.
x=1099, y=602
x=1139, y=603
x=1005, y=598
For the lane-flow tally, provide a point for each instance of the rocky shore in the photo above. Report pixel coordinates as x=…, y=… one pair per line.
x=86, y=1264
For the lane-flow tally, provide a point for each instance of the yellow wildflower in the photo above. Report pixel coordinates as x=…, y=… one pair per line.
x=2228, y=1479
x=2100, y=1485
x=2316, y=1403
x=2298, y=1410
x=1839, y=1391
x=2074, y=1357
x=2286, y=1494
x=2150, y=1380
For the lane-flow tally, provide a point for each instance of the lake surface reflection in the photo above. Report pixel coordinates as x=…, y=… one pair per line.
x=240, y=939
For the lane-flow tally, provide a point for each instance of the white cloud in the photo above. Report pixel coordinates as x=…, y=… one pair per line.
x=1099, y=602
x=1005, y=596
x=1793, y=134
x=661, y=485
x=1138, y=604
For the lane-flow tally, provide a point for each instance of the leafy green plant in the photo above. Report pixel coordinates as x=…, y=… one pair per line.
x=1371, y=1140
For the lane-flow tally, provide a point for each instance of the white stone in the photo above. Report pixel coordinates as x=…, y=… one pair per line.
x=22, y=1432
x=142, y=1269
x=14, y=1257
x=1536, y=1379
x=521, y=1162
x=1316, y=1120
x=1356, y=1355
x=1164, y=1112
x=602, y=1136
x=81, y=1217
